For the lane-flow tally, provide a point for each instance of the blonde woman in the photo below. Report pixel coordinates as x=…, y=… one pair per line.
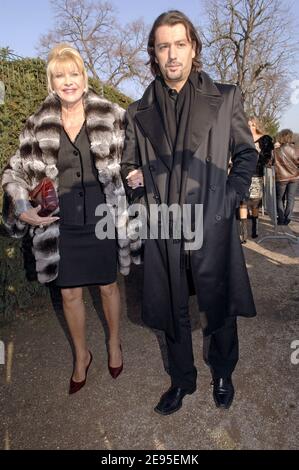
x=75, y=139
x=264, y=146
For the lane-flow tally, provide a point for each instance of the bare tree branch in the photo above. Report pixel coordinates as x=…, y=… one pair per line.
x=112, y=53
x=252, y=43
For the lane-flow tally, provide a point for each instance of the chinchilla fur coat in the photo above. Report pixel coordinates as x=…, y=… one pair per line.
x=36, y=158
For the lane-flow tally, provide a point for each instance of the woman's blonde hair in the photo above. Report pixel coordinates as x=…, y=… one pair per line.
x=259, y=127
x=65, y=54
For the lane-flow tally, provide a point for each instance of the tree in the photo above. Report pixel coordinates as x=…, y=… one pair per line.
x=126, y=58
x=252, y=43
x=112, y=53
x=5, y=53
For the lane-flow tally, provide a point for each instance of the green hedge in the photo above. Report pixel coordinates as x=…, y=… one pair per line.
x=16, y=292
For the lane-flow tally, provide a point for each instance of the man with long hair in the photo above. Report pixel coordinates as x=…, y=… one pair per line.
x=180, y=137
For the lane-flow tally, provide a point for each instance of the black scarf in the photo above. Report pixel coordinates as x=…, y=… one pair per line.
x=176, y=117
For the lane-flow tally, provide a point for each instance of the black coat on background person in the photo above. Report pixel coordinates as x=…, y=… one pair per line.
x=266, y=146
x=219, y=130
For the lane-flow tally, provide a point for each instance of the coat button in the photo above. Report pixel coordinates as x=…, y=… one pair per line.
x=78, y=174
x=80, y=193
x=75, y=152
x=218, y=217
x=152, y=168
x=208, y=159
x=212, y=187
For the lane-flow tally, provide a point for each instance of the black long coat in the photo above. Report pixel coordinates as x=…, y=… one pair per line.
x=219, y=131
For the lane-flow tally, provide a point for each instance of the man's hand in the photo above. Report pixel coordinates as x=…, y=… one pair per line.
x=135, y=179
x=31, y=217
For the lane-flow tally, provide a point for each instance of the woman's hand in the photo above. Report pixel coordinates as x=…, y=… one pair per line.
x=31, y=217
x=135, y=179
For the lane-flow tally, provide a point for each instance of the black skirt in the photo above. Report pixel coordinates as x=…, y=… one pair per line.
x=84, y=259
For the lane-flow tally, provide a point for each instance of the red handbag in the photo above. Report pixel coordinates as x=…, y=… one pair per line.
x=44, y=194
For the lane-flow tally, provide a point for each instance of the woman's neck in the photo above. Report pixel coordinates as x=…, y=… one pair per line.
x=256, y=136
x=72, y=111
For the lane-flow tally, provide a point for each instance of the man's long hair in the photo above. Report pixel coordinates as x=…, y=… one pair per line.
x=171, y=18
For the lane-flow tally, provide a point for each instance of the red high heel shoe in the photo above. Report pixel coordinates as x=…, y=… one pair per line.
x=76, y=386
x=115, y=371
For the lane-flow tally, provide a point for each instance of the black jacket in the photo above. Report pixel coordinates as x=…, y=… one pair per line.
x=219, y=131
x=265, y=154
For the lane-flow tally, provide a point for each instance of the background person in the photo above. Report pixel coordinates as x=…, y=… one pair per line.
x=286, y=164
x=264, y=146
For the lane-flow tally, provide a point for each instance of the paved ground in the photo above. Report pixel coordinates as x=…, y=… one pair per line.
x=37, y=413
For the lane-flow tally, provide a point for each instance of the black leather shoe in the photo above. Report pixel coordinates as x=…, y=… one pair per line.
x=223, y=392
x=171, y=400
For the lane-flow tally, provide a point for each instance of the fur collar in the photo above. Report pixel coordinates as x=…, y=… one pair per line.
x=41, y=138
x=38, y=154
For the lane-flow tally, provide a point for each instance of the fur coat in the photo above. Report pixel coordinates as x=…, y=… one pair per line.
x=37, y=157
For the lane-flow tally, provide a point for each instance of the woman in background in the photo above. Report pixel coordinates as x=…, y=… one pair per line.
x=264, y=146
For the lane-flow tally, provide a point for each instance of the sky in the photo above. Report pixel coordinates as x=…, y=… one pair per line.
x=22, y=22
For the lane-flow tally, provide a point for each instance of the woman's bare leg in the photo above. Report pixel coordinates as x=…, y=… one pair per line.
x=255, y=217
x=74, y=311
x=243, y=221
x=111, y=306
x=243, y=211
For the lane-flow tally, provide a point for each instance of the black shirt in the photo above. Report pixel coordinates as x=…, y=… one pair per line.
x=80, y=191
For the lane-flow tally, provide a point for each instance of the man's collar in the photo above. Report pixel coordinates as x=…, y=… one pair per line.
x=201, y=81
x=194, y=78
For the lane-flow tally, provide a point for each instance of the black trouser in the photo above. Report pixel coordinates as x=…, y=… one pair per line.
x=285, y=194
x=221, y=349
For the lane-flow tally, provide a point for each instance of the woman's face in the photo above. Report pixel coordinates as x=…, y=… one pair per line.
x=68, y=82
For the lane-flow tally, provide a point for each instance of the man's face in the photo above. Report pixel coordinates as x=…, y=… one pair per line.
x=174, y=53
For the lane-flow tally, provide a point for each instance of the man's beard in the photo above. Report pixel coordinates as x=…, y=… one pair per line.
x=175, y=77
